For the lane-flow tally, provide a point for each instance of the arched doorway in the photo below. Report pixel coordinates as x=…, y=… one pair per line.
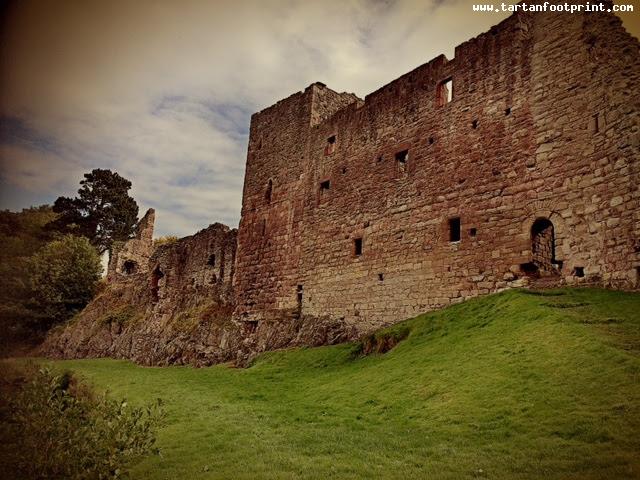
x=543, y=246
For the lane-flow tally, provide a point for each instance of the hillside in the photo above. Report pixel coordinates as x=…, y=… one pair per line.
x=515, y=385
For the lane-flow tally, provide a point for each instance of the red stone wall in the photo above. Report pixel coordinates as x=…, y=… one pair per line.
x=517, y=142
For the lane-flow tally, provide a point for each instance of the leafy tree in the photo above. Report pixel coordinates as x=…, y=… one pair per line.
x=21, y=235
x=103, y=211
x=63, y=277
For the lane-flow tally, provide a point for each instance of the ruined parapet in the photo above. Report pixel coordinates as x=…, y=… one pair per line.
x=132, y=256
x=195, y=267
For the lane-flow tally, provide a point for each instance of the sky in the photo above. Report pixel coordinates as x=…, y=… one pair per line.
x=162, y=91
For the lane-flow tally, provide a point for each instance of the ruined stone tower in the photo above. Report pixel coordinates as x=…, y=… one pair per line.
x=517, y=159
x=132, y=256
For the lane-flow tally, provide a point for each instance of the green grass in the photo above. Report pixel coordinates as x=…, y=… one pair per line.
x=515, y=385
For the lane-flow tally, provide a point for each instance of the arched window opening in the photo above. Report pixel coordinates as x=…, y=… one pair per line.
x=543, y=247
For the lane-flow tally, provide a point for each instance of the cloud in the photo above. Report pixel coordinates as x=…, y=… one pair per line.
x=163, y=91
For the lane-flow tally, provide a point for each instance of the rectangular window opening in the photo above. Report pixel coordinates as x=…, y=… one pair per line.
x=454, y=229
x=473, y=232
x=445, y=92
x=402, y=158
x=357, y=246
x=326, y=185
x=331, y=145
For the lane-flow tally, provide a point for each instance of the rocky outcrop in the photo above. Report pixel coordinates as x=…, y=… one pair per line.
x=176, y=309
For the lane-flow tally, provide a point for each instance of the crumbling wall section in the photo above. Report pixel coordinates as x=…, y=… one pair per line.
x=132, y=257
x=175, y=310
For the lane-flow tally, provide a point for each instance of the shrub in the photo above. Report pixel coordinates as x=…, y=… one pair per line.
x=167, y=240
x=55, y=427
x=63, y=278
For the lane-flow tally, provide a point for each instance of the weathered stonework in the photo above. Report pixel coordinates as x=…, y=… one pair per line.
x=370, y=212
x=517, y=162
x=175, y=308
x=132, y=256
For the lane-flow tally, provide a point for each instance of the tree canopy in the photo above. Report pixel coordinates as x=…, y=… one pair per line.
x=63, y=277
x=103, y=211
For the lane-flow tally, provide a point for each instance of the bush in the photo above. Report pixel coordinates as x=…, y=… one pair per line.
x=167, y=240
x=63, y=278
x=54, y=427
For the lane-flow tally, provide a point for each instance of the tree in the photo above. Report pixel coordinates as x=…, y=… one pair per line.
x=103, y=211
x=22, y=234
x=63, y=277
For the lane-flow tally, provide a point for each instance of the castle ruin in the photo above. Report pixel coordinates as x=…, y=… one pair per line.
x=517, y=161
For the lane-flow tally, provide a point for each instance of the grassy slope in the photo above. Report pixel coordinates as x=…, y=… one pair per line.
x=514, y=385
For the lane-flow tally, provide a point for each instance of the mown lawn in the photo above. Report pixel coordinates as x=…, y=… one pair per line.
x=511, y=386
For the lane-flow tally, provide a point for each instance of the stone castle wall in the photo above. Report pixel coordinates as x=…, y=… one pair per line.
x=369, y=212
x=516, y=162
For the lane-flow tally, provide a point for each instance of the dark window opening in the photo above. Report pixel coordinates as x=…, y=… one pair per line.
x=637, y=276
x=212, y=260
x=344, y=170
x=155, y=283
x=250, y=326
x=331, y=145
x=264, y=227
x=299, y=295
x=543, y=246
x=325, y=186
x=269, y=191
x=595, y=123
x=431, y=140
x=507, y=111
x=530, y=269
x=454, y=229
x=473, y=232
x=381, y=277
x=401, y=159
x=445, y=92
x=474, y=124
x=380, y=158
x=578, y=272
x=260, y=144
x=357, y=246
x=402, y=156
x=129, y=267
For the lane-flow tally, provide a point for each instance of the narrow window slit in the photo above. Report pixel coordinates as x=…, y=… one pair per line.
x=357, y=246
x=454, y=229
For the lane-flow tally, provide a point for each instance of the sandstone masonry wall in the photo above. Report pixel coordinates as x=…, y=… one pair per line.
x=351, y=208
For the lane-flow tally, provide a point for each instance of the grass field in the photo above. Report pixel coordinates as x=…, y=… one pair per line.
x=511, y=386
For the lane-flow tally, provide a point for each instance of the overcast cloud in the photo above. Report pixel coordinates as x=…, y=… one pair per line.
x=163, y=91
